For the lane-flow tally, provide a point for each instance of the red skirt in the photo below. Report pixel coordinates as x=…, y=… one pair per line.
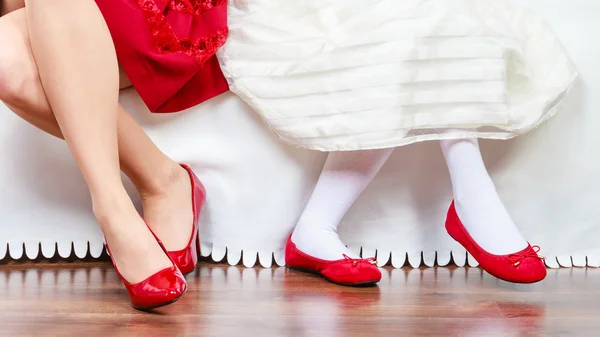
x=167, y=48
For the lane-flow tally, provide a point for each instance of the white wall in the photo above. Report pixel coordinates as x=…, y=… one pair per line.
x=549, y=179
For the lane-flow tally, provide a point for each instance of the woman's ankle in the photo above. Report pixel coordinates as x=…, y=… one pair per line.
x=161, y=181
x=114, y=204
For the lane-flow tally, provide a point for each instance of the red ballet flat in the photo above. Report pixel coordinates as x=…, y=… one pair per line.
x=161, y=288
x=346, y=272
x=525, y=266
x=187, y=258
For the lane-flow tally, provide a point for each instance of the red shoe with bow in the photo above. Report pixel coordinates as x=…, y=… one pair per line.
x=187, y=258
x=525, y=266
x=346, y=271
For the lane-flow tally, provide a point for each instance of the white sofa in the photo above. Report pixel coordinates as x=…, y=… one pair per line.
x=549, y=179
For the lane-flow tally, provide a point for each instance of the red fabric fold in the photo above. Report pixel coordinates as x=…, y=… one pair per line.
x=167, y=48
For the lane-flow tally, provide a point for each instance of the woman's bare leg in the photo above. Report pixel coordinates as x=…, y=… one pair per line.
x=81, y=85
x=7, y=6
x=162, y=183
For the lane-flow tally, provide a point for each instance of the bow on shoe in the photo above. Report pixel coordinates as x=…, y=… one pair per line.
x=531, y=251
x=370, y=260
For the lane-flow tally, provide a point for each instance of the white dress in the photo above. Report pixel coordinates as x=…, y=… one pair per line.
x=337, y=75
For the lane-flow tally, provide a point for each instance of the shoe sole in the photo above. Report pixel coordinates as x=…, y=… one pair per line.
x=364, y=284
x=189, y=272
x=146, y=309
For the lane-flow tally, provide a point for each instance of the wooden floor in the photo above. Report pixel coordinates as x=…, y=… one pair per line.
x=87, y=299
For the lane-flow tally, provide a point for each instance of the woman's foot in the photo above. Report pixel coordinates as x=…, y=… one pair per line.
x=134, y=250
x=149, y=275
x=168, y=208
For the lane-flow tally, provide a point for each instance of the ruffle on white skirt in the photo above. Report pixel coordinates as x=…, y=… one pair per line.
x=361, y=74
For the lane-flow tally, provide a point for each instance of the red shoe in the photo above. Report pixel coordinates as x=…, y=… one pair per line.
x=346, y=272
x=525, y=266
x=187, y=258
x=160, y=289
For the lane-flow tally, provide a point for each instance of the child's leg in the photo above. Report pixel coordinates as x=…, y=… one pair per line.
x=344, y=177
x=477, y=203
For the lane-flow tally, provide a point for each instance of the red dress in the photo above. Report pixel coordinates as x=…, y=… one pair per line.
x=167, y=48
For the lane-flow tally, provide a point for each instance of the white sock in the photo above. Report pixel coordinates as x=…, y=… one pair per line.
x=477, y=203
x=344, y=177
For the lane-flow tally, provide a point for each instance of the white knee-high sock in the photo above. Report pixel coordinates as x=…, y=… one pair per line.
x=344, y=177
x=477, y=203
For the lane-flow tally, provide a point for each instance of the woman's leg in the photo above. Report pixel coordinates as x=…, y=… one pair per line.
x=344, y=177
x=477, y=203
x=7, y=6
x=162, y=183
x=81, y=85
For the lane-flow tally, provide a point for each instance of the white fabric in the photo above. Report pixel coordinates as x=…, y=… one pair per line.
x=344, y=177
x=477, y=203
x=335, y=75
x=257, y=188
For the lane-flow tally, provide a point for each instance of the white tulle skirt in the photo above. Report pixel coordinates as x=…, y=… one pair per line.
x=335, y=75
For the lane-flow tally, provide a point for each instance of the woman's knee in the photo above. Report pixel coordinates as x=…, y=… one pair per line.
x=19, y=78
x=15, y=79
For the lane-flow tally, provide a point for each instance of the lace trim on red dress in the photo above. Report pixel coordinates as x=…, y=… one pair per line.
x=194, y=7
x=165, y=39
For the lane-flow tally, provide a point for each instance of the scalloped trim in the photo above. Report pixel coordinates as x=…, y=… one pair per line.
x=33, y=250
x=249, y=258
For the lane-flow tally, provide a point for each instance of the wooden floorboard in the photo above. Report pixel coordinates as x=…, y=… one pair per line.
x=87, y=299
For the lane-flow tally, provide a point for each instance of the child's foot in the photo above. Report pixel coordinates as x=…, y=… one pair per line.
x=489, y=224
x=320, y=241
x=345, y=271
x=476, y=201
x=519, y=266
